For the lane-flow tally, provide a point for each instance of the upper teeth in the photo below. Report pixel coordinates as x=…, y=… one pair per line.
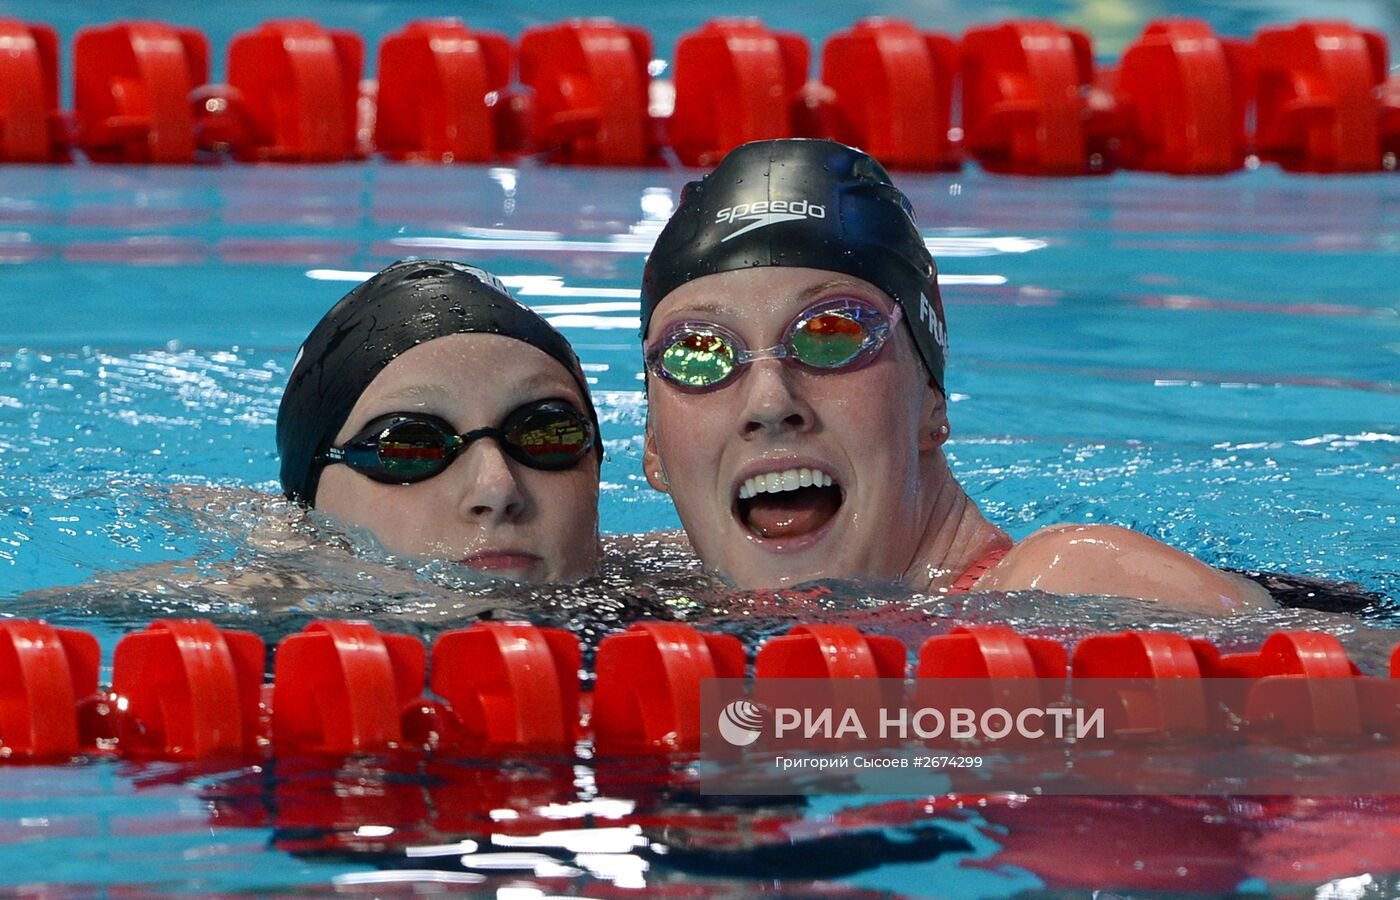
x=786, y=480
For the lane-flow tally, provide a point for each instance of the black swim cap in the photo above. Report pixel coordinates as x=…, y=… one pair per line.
x=810, y=203
x=409, y=303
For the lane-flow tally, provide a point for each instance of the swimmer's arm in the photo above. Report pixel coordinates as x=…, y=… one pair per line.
x=1108, y=560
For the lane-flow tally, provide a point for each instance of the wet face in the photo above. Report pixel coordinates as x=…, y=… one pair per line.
x=486, y=510
x=785, y=475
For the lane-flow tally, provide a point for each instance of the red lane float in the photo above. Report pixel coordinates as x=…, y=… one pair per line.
x=1026, y=88
x=1136, y=654
x=1313, y=654
x=188, y=690
x=1291, y=706
x=591, y=88
x=131, y=87
x=736, y=81
x=340, y=687
x=830, y=651
x=1305, y=684
x=44, y=673
x=1031, y=101
x=987, y=666
x=440, y=84
x=295, y=89
x=1318, y=107
x=31, y=126
x=1182, y=95
x=990, y=651
x=894, y=92
x=510, y=684
x=1163, y=690
x=646, y=696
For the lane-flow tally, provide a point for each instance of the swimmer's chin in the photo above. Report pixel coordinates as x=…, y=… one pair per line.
x=796, y=584
x=472, y=572
x=504, y=565
x=522, y=565
x=761, y=575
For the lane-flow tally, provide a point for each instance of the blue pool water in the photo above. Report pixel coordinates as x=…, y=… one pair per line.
x=1213, y=361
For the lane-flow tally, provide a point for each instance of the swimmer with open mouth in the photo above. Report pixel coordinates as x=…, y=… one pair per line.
x=794, y=343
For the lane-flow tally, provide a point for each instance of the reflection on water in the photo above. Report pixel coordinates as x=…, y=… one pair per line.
x=576, y=825
x=89, y=433
x=633, y=824
x=266, y=565
x=1211, y=361
x=581, y=827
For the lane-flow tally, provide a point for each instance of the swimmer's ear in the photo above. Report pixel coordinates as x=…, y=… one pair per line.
x=933, y=433
x=651, y=463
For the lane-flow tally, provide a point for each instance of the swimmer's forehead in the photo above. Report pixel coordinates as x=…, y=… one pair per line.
x=471, y=365
x=432, y=390
x=463, y=405
x=710, y=296
x=469, y=389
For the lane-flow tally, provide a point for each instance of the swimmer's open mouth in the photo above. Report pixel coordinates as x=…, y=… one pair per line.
x=788, y=504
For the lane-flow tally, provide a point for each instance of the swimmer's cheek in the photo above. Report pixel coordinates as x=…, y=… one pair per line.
x=1113, y=561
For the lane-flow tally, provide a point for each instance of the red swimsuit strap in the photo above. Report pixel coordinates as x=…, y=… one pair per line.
x=975, y=571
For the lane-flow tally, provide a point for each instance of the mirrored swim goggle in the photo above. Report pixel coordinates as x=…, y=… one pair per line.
x=403, y=448
x=838, y=335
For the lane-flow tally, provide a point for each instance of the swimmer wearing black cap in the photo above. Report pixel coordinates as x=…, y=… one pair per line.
x=795, y=342
x=433, y=409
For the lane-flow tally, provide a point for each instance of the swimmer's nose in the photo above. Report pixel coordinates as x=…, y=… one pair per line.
x=490, y=490
x=771, y=404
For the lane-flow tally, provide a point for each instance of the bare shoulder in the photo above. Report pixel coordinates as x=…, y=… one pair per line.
x=1108, y=559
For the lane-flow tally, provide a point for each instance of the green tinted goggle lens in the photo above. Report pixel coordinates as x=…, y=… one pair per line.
x=828, y=340
x=696, y=360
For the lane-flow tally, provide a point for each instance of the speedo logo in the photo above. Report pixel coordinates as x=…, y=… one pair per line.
x=767, y=212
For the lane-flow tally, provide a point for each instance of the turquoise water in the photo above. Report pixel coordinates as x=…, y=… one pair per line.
x=1213, y=361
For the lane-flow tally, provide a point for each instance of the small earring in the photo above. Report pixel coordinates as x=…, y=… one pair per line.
x=943, y=429
x=661, y=477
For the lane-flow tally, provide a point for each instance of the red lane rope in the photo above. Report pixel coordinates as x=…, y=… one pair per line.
x=1029, y=95
x=184, y=689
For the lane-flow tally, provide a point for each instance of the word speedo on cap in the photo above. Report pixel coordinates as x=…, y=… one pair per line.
x=810, y=203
